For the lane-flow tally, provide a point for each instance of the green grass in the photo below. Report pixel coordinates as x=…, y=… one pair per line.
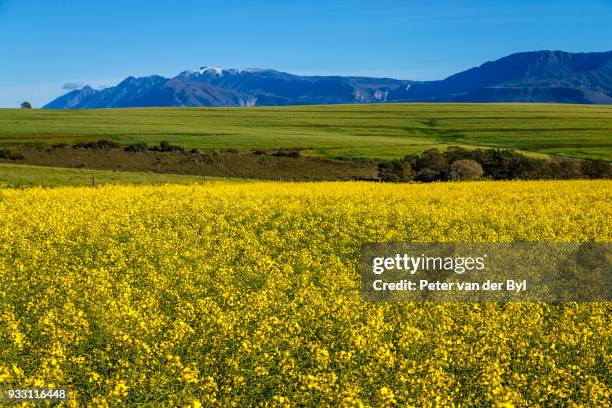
x=377, y=131
x=17, y=175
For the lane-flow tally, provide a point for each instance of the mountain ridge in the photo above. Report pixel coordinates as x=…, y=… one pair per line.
x=535, y=76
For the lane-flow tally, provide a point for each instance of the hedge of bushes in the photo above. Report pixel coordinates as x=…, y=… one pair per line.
x=11, y=155
x=457, y=163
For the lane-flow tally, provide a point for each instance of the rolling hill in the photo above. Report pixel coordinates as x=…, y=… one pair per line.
x=357, y=131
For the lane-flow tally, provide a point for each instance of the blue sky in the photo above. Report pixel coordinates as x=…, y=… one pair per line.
x=46, y=44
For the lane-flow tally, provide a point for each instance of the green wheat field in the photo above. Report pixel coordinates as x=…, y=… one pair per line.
x=332, y=131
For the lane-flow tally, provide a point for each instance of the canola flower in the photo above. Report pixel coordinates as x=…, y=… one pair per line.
x=249, y=295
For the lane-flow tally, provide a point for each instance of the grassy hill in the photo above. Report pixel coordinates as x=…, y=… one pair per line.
x=375, y=131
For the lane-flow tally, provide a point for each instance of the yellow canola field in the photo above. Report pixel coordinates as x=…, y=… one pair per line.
x=249, y=294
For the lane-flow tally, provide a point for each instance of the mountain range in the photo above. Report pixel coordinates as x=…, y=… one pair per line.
x=538, y=76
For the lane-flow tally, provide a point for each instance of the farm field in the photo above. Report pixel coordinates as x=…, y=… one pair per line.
x=332, y=131
x=239, y=294
x=18, y=175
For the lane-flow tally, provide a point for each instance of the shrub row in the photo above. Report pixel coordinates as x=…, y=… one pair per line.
x=104, y=144
x=101, y=144
x=457, y=163
x=11, y=155
x=281, y=152
x=164, y=146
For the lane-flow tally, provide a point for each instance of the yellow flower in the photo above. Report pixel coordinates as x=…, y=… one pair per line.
x=120, y=389
x=190, y=375
x=248, y=294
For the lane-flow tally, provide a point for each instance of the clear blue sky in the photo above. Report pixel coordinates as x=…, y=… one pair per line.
x=48, y=43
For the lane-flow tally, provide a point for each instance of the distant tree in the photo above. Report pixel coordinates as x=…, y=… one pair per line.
x=502, y=164
x=428, y=175
x=432, y=159
x=454, y=153
x=136, y=147
x=431, y=165
x=395, y=171
x=166, y=146
x=529, y=168
x=596, y=168
x=406, y=172
x=389, y=170
x=564, y=168
x=465, y=169
x=26, y=105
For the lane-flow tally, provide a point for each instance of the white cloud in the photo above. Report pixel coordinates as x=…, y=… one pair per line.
x=69, y=86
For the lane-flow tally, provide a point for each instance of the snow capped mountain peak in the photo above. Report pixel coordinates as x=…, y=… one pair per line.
x=217, y=71
x=203, y=70
x=211, y=70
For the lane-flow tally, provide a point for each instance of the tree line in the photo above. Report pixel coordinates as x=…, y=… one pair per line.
x=457, y=163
